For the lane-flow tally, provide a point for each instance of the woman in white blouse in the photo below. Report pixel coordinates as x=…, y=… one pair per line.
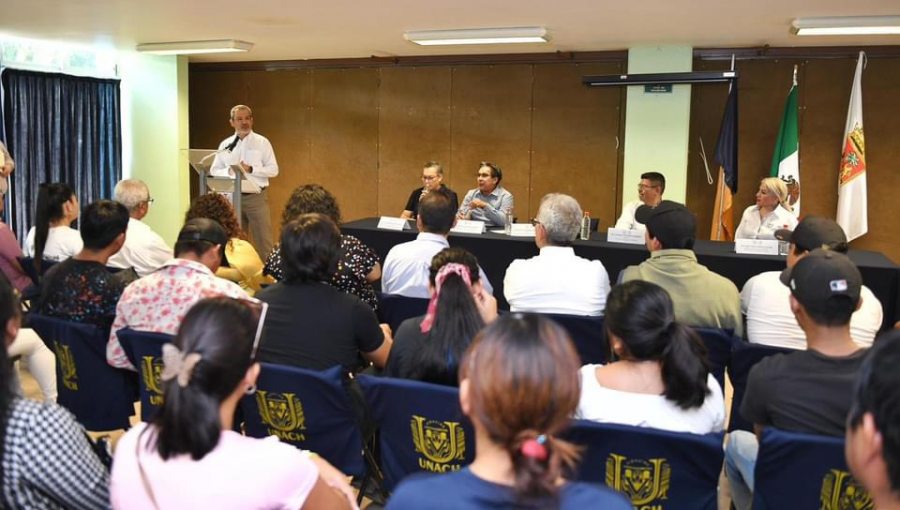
x=772, y=212
x=52, y=237
x=661, y=378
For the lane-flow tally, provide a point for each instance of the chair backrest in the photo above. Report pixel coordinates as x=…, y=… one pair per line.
x=719, y=344
x=308, y=409
x=421, y=427
x=653, y=468
x=743, y=356
x=805, y=471
x=144, y=350
x=27, y=264
x=595, y=224
x=394, y=309
x=587, y=334
x=101, y=397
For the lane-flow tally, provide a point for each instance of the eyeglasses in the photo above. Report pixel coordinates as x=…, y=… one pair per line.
x=535, y=222
x=150, y=200
x=644, y=186
x=429, y=178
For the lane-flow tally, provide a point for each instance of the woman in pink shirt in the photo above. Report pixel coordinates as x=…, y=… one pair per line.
x=189, y=456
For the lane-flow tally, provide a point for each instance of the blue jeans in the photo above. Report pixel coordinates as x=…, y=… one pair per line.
x=740, y=460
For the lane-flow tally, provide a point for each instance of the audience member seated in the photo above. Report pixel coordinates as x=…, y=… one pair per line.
x=159, y=301
x=650, y=192
x=519, y=387
x=701, y=298
x=557, y=280
x=52, y=237
x=806, y=391
x=81, y=289
x=766, y=301
x=489, y=202
x=46, y=459
x=311, y=324
x=771, y=212
x=432, y=179
x=661, y=379
x=358, y=266
x=144, y=249
x=429, y=348
x=241, y=264
x=10, y=253
x=189, y=456
x=872, y=441
x=39, y=359
x=406, y=265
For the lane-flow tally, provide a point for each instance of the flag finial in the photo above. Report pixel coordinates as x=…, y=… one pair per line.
x=795, y=75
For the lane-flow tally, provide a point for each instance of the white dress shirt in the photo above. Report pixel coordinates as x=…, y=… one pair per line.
x=144, y=249
x=752, y=227
x=62, y=242
x=557, y=281
x=254, y=150
x=407, y=265
x=626, y=221
x=766, y=303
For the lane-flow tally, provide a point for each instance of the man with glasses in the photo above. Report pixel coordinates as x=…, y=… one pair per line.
x=489, y=202
x=144, y=249
x=432, y=179
x=650, y=192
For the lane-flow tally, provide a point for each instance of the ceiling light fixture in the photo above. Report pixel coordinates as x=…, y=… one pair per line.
x=851, y=25
x=195, y=47
x=478, y=36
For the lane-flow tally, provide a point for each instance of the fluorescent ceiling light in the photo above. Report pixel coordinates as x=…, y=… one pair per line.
x=478, y=36
x=195, y=47
x=852, y=25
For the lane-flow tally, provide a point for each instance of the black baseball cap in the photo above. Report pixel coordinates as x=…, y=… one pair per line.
x=673, y=224
x=823, y=276
x=203, y=229
x=815, y=232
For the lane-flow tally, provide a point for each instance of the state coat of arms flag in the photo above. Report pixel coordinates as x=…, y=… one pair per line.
x=852, y=209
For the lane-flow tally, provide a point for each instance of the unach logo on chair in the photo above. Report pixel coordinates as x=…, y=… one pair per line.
x=66, y=363
x=151, y=368
x=441, y=442
x=283, y=413
x=644, y=481
x=840, y=491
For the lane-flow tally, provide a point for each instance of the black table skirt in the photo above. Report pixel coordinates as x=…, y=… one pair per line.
x=496, y=251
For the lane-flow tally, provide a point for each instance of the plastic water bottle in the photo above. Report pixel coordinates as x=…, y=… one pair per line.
x=507, y=225
x=784, y=246
x=586, y=226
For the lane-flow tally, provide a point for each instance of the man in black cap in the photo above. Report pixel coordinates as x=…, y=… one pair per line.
x=158, y=301
x=807, y=391
x=701, y=298
x=764, y=300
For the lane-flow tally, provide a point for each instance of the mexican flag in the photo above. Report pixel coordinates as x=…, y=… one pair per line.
x=852, y=214
x=786, y=158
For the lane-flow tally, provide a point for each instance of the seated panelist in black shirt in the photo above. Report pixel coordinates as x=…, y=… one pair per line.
x=432, y=179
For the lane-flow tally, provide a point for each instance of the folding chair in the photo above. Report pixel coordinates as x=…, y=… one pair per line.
x=653, y=468
x=587, y=334
x=144, y=351
x=421, y=427
x=805, y=471
x=101, y=397
x=394, y=309
x=719, y=344
x=743, y=356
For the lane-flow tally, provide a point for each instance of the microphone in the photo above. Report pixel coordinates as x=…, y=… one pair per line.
x=233, y=143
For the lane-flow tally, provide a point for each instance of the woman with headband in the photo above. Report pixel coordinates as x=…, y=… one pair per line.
x=519, y=387
x=428, y=348
x=189, y=456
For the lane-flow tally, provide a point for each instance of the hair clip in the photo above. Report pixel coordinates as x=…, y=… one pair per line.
x=178, y=365
x=534, y=448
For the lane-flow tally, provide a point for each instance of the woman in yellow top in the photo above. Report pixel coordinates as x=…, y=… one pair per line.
x=241, y=263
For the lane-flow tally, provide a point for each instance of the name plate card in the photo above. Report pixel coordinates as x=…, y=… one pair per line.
x=756, y=246
x=521, y=230
x=625, y=236
x=392, y=223
x=468, y=227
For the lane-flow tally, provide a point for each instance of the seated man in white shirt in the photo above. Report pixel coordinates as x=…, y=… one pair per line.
x=407, y=264
x=144, y=249
x=765, y=300
x=557, y=280
x=650, y=192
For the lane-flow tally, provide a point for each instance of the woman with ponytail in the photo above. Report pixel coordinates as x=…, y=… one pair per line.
x=189, y=455
x=519, y=387
x=52, y=237
x=428, y=348
x=661, y=378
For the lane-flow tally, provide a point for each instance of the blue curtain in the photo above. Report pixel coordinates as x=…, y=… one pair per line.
x=60, y=128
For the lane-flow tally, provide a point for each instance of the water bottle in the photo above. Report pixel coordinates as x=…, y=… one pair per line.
x=507, y=225
x=586, y=226
x=783, y=246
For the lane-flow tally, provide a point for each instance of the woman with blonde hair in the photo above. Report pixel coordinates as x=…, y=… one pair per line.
x=771, y=212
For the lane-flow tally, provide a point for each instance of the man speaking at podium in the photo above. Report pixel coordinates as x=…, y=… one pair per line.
x=255, y=155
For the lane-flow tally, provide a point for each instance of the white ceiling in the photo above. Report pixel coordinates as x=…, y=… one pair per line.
x=305, y=29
